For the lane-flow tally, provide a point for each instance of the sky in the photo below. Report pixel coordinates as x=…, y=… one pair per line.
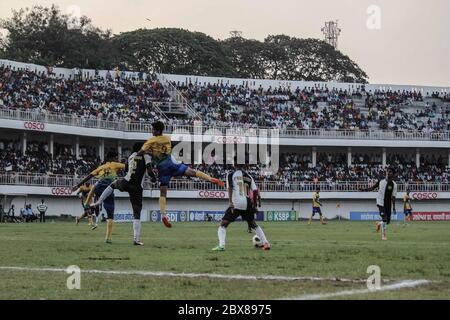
x=394, y=41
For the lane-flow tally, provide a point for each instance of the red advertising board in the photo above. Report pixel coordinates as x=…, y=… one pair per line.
x=35, y=126
x=431, y=216
x=212, y=194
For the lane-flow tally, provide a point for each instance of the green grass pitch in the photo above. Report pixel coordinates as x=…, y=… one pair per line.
x=338, y=250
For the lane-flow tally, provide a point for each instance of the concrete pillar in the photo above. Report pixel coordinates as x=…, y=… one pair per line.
x=119, y=149
x=448, y=163
x=52, y=145
x=101, y=150
x=349, y=156
x=384, y=158
x=314, y=156
x=417, y=157
x=77, y=147
x=24, y=143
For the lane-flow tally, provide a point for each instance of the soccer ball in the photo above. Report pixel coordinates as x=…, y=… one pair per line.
x=256, y=241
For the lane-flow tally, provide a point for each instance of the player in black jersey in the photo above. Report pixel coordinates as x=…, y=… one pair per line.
x=136, y=167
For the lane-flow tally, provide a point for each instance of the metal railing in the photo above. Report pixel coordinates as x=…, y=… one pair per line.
x=145, y=127
x=37, y=180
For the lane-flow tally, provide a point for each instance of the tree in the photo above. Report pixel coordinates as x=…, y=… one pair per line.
x=246, y=57
x=289, y=58
x=309, y=60
x=173, y=50
x=44, y=35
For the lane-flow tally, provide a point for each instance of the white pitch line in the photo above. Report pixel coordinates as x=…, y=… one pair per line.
x=395, y=286
x=188, y=275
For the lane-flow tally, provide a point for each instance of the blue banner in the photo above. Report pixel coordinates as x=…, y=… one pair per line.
x=173, y=215
x=127, y=217
x=202, y=215
x=373, y=216
x=194, y=216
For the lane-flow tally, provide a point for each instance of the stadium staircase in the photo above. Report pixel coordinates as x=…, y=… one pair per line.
x=178, y=106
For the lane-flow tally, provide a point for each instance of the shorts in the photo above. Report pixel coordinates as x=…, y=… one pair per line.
x=169, y=168
x=135, y=191
x=108, y=204
x=385, y=213
x=407, y=212
x=247, y=215
x=87, y=209
x=316, y=210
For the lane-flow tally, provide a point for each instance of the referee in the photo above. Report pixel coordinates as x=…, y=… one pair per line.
x=42, y=208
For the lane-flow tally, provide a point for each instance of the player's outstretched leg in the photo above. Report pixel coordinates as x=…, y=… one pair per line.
x=105, y=194
x=201, y=175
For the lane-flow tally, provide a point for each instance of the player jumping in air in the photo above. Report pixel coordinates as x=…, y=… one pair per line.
x=316, y=207
x=135, y=169
x=387, y=191
x=407, y=209
x=160, y=148
x=243, y=200
x=83, y=192
x=106, y=174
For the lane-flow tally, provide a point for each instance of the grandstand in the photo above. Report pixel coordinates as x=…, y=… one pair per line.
x=334, y=135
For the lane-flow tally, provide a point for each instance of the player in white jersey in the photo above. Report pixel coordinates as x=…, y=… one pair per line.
x=133, y=183
x=387, y=192
x=243, y=197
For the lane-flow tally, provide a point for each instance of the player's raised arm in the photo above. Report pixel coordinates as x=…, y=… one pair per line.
x=149, y=167
x=86, y=179
x=376, y=185
x=230, y=189
x=256, y=196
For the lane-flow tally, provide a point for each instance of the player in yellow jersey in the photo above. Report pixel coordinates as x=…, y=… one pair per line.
x=407, y=209
x=160, y=148
x=316, y=207
x=83, y=192
x=105, y=174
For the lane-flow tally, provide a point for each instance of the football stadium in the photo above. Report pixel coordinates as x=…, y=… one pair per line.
x=162, y=164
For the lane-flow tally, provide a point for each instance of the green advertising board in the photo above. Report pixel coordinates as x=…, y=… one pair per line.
x=280, y=216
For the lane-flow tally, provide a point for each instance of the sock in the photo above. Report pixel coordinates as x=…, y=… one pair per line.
x=202, y=176
x=97, y=218
x=136, y=229
x=261, y=235
x=109, y=227
x=162, y=206
x=90, y=220
x=106, y=193
x=222, y=233
x=383, y=229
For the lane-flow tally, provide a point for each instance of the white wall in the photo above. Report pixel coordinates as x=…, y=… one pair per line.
x=72, y=205
x=133, y=136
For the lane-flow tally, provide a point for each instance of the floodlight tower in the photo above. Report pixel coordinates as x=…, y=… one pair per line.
x=331, y=32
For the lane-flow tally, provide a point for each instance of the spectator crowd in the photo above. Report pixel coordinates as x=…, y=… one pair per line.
x=119, y=98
